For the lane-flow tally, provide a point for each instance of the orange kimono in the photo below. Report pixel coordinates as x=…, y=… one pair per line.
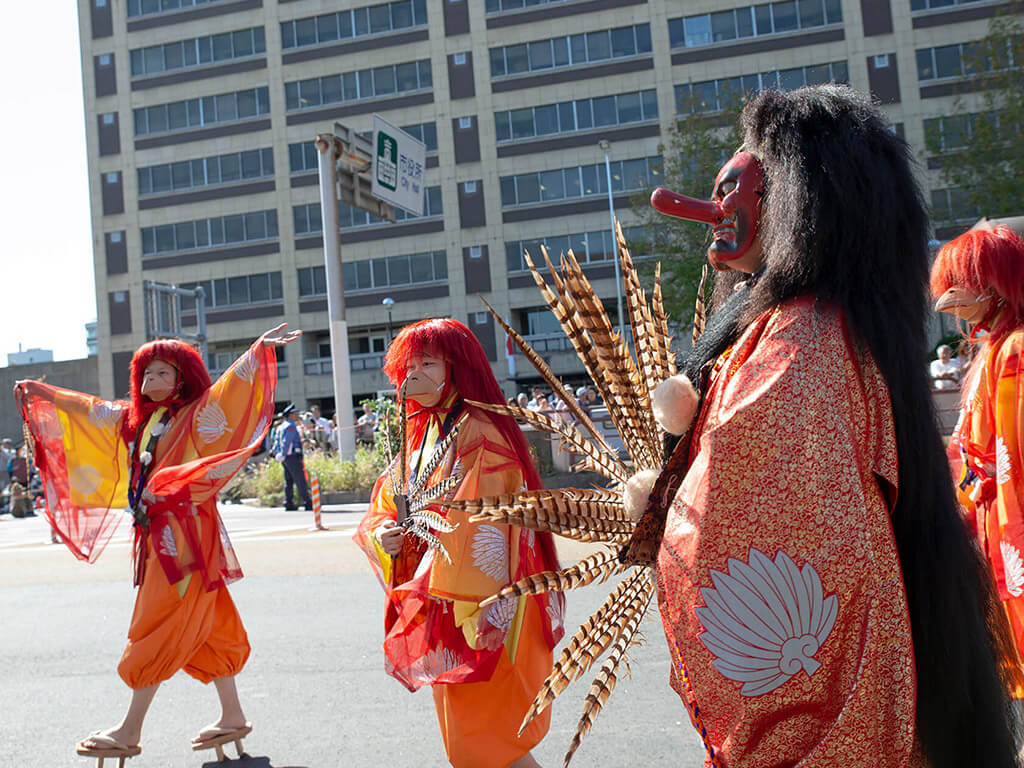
x=990, y=440
x=486, y=665
x=184, y=617
x=779, y=583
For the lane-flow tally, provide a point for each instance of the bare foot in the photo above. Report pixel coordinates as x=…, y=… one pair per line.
x=120, y=735
x=225, y=723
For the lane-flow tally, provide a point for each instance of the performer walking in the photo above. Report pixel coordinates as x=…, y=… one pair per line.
x=821, y=600
x=979, y=277
x=288, y=450
x=164, y=454
x=484, y=664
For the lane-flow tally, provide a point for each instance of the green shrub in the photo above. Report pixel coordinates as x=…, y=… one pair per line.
x=265, y=479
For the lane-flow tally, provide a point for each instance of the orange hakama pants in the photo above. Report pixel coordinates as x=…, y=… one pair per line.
x=200, y=632
x=479, y=721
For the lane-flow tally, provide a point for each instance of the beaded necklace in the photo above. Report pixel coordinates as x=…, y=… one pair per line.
x=142, y=465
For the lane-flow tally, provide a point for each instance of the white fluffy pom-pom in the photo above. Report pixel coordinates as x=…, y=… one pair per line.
x=638, y=488
x=674, y=402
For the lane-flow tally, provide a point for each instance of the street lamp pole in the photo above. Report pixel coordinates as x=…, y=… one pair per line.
x=605, y=146
x=389, y=303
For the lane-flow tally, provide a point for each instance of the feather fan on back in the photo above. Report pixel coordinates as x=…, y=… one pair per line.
x=625, y=378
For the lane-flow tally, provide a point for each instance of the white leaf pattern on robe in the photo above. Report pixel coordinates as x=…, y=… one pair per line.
x=168, y=546
x=490, y=552
x=439, y=661
x=245, y=367
x=764, y=621
x=104, y=414
x=556, y=610
x=257, y=433
x=500, y=614
x=1002, y=462
x=85, y=479
x=49, y=426
x=226, y=469
x=1013, y=568
x=211, y=423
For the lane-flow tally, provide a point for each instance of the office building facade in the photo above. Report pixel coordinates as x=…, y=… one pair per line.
x=200, y=116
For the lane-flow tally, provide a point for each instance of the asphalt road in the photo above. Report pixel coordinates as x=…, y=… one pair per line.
x=314, y=687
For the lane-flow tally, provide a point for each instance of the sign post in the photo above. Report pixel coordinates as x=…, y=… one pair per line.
x=344, y=163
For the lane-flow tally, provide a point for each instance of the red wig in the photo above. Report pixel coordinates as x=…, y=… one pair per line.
x=193, y=380
x=469, y=373
x=986, y=261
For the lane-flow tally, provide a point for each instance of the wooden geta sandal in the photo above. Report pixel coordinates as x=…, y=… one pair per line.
x=216, y=738
x=102, y=747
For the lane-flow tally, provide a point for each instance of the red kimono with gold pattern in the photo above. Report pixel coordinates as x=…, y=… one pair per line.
x=990, y=441
x=779, y=584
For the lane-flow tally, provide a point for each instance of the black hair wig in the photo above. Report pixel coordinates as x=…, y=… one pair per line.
x=843, y=219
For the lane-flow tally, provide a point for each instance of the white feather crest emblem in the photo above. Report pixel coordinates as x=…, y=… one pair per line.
x=1013, y=568
x=211, y=423
x=226, y=468
x=245, y=367
x=1002, y=462
x=490, y=552
x=764, y=621
x=104, y=414
x=85, y=479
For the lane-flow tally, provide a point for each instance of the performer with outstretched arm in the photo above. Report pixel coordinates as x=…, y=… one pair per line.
x=164, y=455
x=484, y=663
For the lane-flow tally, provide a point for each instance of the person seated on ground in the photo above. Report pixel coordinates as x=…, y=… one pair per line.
x=522, y=400
x=946, y=370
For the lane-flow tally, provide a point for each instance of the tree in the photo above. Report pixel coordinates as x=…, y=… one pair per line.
x=980, y=152
x=698, y=144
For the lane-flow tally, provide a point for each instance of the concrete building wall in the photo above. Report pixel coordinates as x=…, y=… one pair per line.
x=81, y=375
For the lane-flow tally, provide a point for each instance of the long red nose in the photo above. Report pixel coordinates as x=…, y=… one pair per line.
x=683, y=207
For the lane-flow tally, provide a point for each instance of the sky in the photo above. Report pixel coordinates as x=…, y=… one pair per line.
x=47, y=292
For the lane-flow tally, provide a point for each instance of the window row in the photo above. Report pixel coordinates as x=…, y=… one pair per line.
x=960, y=59
x=370, y=20
x=198, y=51
x=727, y=93
x=204, y=233
x=580, y=115
x=206, y=171
x=364, y=84
x=236, y=291
x=922, y=5
x=953, y=132
x=395, y=271
x=587, y=247
x=308, y=220
x=149, y=7
x=753, y=21
x=952, y=204
x=569, y=51
x=497, y=6
x=302, y=155
x=569, y=183
x=223, y=108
